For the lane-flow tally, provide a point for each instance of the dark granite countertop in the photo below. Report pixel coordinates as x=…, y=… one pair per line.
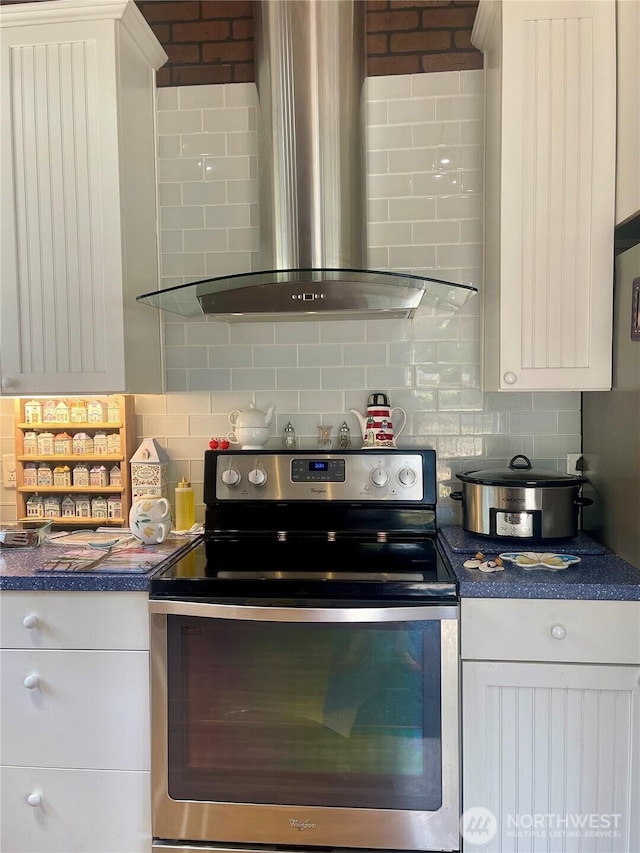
x=600, y=574
x=18, y=571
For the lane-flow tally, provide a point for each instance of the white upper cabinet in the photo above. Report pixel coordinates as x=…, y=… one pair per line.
x=550, y=117
x=628, y=144
x=78, y=201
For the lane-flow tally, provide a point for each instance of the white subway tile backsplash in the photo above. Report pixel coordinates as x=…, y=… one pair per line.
x=388, y=88
x=206, y=240
x=239, y=94
x=411, y=209
x=197, y=144
x=436, y=83
x=180, y=121
x=205, y=193
x=438, y=133
x=229, y=119
x=227, y=263
x=365, y=354
x=285, y=355
x=424, y=186
x=257, y=378
x=411, y=111
x=343, y=377
x=320, y=355
x=295, y=378
x=183, y=264
x=178, y=171
x=386, y=137
x=199, y=97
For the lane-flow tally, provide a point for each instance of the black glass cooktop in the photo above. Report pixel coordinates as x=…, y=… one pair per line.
x=309, y=567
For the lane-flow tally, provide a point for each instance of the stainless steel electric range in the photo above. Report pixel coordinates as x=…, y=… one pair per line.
x=305, y=661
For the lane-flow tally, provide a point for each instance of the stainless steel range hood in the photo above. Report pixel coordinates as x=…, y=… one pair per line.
x=310, y=61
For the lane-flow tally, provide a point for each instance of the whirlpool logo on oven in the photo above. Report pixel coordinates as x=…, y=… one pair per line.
x=301, y=825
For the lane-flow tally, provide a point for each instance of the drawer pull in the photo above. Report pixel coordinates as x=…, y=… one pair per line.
x=30, y=621
x=34, y=800
x=558, y=632
x=31, y=681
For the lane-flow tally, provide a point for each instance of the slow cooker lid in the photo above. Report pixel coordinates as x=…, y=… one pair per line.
x=520, y=473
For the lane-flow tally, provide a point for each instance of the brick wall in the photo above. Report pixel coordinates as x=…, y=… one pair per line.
x=211, y=41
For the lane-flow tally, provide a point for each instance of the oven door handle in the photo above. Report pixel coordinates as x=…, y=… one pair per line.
x=207, y=610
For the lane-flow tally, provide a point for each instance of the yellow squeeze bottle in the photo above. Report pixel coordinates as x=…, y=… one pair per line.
x=185, y=512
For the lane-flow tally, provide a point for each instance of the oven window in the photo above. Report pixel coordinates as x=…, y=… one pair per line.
x=305, y=714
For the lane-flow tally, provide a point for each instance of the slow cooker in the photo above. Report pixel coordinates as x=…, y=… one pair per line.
x=521, y=501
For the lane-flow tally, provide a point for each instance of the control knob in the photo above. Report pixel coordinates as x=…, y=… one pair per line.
x=257, y=477
x=231, y=477
x=379, y=477
x=407, y=476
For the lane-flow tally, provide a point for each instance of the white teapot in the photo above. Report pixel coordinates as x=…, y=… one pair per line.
x=150, y=519
x=250, y=427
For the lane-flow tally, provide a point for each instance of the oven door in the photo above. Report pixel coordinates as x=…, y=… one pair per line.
x=332, y=725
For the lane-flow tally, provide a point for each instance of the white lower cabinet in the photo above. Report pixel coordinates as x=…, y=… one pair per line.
x=552, y=750
x=74, y=739
x=79, y=811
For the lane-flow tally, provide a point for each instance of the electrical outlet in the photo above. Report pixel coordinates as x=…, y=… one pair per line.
x=9, y=470
x=575, y=464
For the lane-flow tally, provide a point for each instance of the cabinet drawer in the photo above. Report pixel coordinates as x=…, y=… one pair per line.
x=74, y=620
x=95, y=812
x=550, y=630
x=85, y=709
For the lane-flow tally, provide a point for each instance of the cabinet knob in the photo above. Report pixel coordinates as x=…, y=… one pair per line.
x=31, y=682
x=510, y=378
x=30, y=621
x=8, y=382
x=558, y=632
x=34, y=800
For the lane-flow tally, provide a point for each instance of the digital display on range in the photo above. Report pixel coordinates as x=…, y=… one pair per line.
x=318, y=470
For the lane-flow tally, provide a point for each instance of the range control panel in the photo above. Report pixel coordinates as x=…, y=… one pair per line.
x=364, y=476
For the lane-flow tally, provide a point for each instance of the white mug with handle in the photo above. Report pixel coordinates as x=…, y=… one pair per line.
x=150, y=519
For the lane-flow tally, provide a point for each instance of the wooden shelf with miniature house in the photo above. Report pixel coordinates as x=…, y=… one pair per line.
x=91, y=439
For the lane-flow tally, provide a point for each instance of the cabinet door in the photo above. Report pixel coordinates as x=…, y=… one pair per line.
x=77, y=238
x=550, y=91
x=75, y=709
x=553, y=751
x=81, y=810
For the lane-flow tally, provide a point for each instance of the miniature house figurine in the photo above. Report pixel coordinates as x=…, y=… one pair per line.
x=113, y=410
x=113, y=444
x=49, y=412
x=149, y=470
x=62, y=444
x=30, y=443
x=45, y=444
x=52, y=507
x=82, y=443
x=30, y=474
x=62, y=475
x=68, y=507
x=62, y=412
x=81, y=475
x=115, y=476
x=35, y=506
x=83, y=506
x=45, y=475
x=33, y=412
x=114, y=507
x=100, y=446
x=99, y=507
x=96, y=411
x=98, y=476
x=78, y=412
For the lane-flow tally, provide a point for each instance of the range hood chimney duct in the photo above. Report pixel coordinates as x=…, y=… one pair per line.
x=310, y=60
